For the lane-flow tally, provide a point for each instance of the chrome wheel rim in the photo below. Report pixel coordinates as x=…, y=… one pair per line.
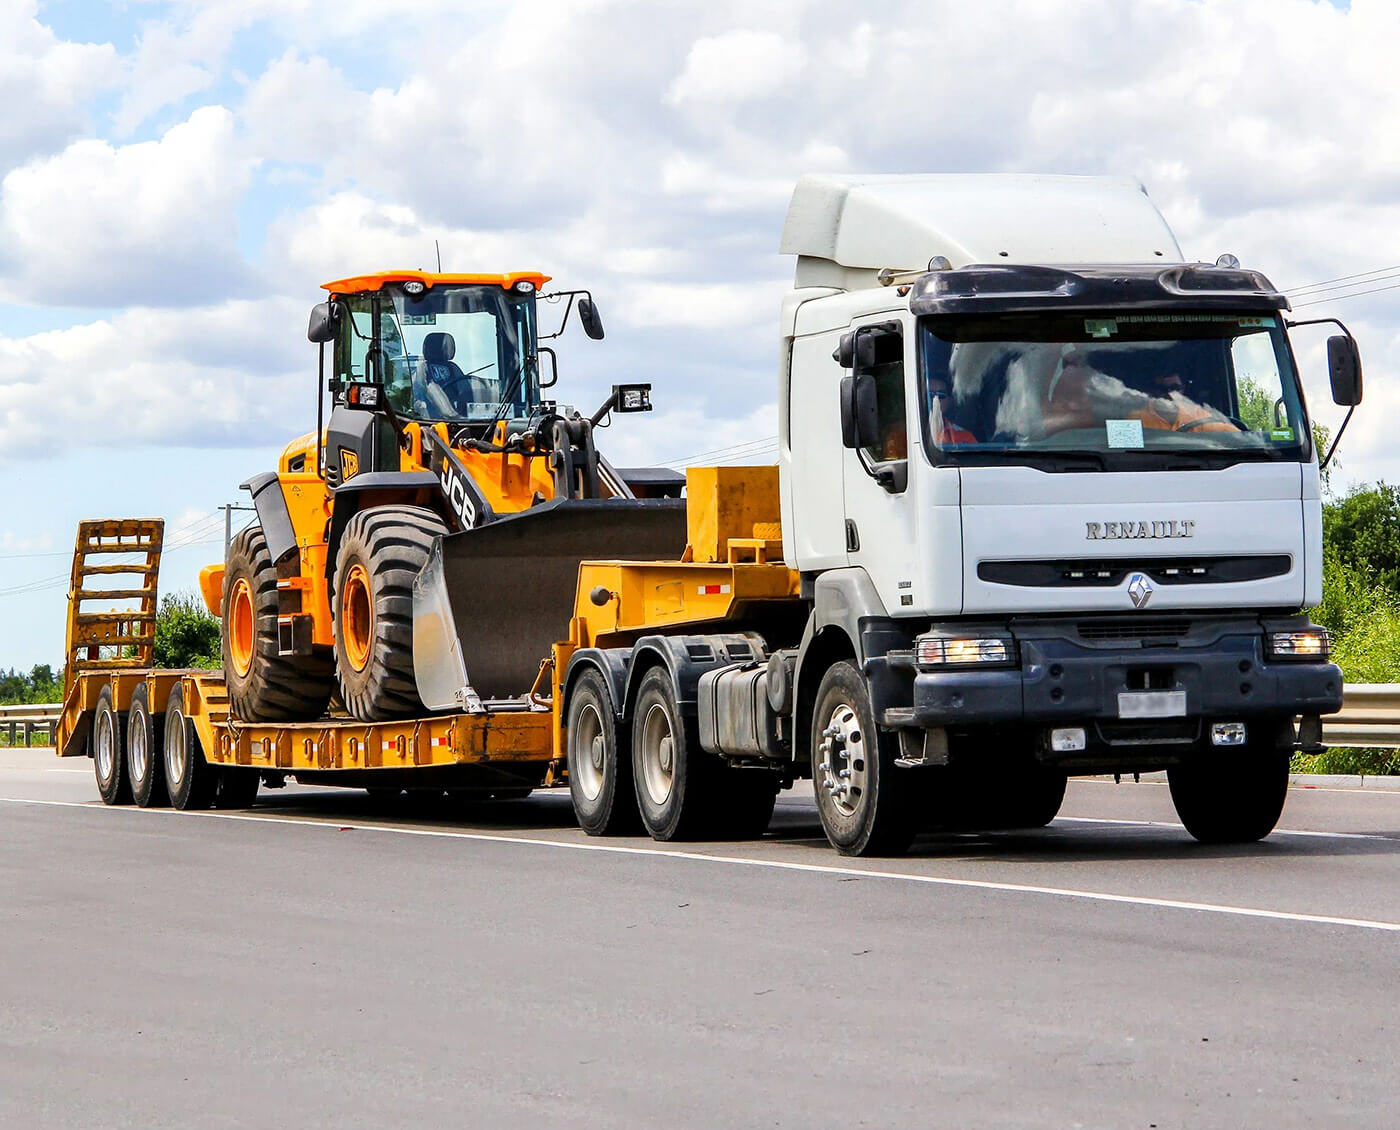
x=104, y=746
x=590, y=751
x=137, y=748
x=175, y=751
x=658, y=747
x=842, y=773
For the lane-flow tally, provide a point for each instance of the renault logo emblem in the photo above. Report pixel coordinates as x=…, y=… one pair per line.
x=1139, y=589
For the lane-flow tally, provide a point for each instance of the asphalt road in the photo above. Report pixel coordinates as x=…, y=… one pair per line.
x=319, y=961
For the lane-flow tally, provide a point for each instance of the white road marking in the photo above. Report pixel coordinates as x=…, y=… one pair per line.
x=1178, y=827
x=742, y=861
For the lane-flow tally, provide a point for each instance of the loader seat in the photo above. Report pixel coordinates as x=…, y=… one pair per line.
x=440, y=388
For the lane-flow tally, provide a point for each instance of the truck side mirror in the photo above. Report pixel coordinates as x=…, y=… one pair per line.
x=860, y=413
x=588, y=315
x=322, y=326
x=1344, y=367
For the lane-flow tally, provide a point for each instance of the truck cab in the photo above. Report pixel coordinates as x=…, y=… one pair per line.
x=1048, y=478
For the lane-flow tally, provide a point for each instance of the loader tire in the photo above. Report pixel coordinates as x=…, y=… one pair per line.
x=264, y=686
x=381, y=553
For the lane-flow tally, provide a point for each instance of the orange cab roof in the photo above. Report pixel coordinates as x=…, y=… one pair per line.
x=358, y=284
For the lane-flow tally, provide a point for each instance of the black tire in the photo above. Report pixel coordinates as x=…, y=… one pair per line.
x=871, y=811
x=1225, y=796
x=264, y=686
x=1036, y=796
x=600, y=776
x=237, y=787
x=145, y=751
x=109, y=750
x=381, y=554
x=191, y=780
x=674, y=780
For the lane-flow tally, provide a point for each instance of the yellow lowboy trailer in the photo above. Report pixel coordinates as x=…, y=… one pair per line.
x=156, y=734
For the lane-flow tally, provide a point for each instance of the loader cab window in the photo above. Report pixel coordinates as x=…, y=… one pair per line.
x=356, y=336
x=461, y=354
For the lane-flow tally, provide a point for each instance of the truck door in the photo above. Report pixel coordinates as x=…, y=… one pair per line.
x=879, y=514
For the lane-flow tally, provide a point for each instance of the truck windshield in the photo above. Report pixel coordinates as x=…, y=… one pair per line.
x=453, y=353
x=1122, y=387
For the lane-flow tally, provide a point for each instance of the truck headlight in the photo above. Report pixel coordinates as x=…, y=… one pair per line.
x=973, y=651
x=1314, y=644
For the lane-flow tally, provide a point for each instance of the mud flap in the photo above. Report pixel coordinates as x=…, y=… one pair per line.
x=491, y=601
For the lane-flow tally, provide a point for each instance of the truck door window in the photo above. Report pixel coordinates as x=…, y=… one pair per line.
x=893, y=444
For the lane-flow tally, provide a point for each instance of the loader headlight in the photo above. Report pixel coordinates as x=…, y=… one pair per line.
x=524, y=286
x=413, y=287
x=970, y=651
x=1314, y=644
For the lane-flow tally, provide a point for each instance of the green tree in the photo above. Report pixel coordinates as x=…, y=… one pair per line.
x=1362, y=531
x=186, y=635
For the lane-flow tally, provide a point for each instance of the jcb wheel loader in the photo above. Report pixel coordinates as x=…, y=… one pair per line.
x=419, y=550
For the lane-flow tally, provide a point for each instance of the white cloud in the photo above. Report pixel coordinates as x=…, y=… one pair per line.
x=44, y=83
x=154, y=222
x=721, y=70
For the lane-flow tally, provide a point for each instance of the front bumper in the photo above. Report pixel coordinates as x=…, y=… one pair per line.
x=1064, y=681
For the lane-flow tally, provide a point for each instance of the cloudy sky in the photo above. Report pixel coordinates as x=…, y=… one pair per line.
x=177, y=179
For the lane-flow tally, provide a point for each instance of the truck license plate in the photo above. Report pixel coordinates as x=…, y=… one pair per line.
x=1152, y=704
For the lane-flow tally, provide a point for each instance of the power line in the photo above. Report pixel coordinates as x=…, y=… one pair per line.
x=1342, y=278
x=1343, y=297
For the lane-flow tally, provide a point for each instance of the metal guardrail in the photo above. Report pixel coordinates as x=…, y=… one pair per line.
x=23, y=721
x=1370, y=719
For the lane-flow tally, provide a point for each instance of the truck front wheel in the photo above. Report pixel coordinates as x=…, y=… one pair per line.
x=1235, y=796
x=864, y=810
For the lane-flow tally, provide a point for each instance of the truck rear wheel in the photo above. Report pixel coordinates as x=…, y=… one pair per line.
x=863, y=809
x=264, y=686
x=191, y=780
x=145, y=751
x=109, y=750
x=1235, y=797
x=674, y=779
x=600, y=780
x=381, y=553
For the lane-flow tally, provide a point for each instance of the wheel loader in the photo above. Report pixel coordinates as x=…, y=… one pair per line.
x=418, y=550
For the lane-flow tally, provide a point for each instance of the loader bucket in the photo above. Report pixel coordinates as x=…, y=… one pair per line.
x=491, y=601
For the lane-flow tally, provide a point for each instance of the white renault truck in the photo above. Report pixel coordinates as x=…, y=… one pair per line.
x=1053, y=497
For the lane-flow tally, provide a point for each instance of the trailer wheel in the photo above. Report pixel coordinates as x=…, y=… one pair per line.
x=674, y=779
x=381, y=553
x=109, y=750
x=237, y=787
x=600, y=779
x=865, y=808
x=191, y=780
x=264, y=686
x=145, y=752
x=1235, y=799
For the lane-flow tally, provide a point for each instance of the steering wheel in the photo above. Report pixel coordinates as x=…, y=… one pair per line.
x=1194, y=424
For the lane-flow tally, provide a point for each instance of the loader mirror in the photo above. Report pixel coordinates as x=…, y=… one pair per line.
x=322, y=326
x=588, y=315
x=860, y=414
x=1344, y=367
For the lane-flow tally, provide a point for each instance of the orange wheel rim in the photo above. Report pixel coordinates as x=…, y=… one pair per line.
x=357, y=618
x=241, y=624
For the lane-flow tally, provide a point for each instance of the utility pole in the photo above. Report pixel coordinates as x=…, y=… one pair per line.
x=228, y=508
